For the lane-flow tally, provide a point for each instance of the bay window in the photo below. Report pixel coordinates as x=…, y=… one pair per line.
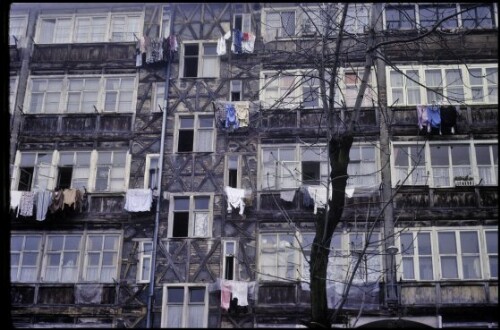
x=85, y=28
x=184, y=306
x=81, y=94
x=58, y=257
x=191, y=216
x=439, y=165
x=440, y=253
x=453, y=84
x=279, y=256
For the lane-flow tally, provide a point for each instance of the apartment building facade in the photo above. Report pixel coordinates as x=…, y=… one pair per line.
x=169, y=162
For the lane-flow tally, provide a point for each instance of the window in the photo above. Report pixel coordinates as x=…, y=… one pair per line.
x=64, y=258
x=357, y=19
x=145, y=259
x=362, y=169
x=82, y=28
x=159, y=97
x=438, y=164
x=243, y=23
x=12, y=93
x=459, y=249
x=430, y=15
x=110, y=171
x=352, y=82
x=195, y=133
x=453, y=84
x=74, y=169
x=233, y=177
x=229, y=267
x=235, y=90
x=279, y=167
x=101, y=258
x=165, y=22
x=477, y=16
x=184, y=307
x=119, y=94
x=279, y=89
x=306, y=246
x=17, y=29
x=314, y=165
x=400, y=17
x=318, y=21
x=447, y=253
x=90, y=29
x=191, y=217
x=152, y=171
x=311, y=93
x=487, y=163
x=279, y=24
x=81, y=94
x=279, y=256
x=55, y=30
x=45, y=95
x=409, y=165
x=449, y=162
x=200, y=60
x=24, y=257
x=370, y=267
x=492, y=252
x=34, y=171
x=416, y=253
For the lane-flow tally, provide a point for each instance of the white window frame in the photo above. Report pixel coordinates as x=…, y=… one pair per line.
x=230, y=252
x=64, y=91
x=481, y=255
x=419, y=173
x=82, y=104
x=147, y=171
x=184, y=314
x=311, y=21
x=274, y=270
x=31, y=266
x=192, y=212
x=76, y=166
x=234, y=88
x=13, y=82
x=277, y=31
x=43, y=177
x=421, y=70
x=412, y=253
x=201, y=59
x=282, y=170
x=159, y=97
x=365, y=174
x=399, y=8
x=41, y=255
x=120, y=93
x=370, y=268
x=197, y=129
x=18, y=31
x=238, y=169
x=62, y=263
x=460, y=17
x=490, y=254
x=107, y=30
x=101, y=264
x=115, y=173
x=358, y=18
x=426, y=173
x=145, y=258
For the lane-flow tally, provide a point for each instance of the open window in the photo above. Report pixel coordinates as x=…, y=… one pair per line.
x=199, y=60
x=195, y=133
x=229, y=265
x=191, y=217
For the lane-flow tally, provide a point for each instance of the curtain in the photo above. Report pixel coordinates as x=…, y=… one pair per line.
x=205, y=138
x=174, y=316
x=200, y=224
x=196, y=315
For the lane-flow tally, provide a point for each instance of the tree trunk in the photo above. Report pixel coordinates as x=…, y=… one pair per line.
x=338, y=149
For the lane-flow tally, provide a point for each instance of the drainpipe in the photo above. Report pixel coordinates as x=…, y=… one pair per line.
x=149, y=322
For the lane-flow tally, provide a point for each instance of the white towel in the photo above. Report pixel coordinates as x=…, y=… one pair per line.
x=287, y=195
x=318, y=194
x=138, y=200
x=15, y=199
x=235, y=199
x=240, y=291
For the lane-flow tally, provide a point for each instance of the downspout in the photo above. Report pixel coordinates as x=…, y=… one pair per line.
x=149, y=322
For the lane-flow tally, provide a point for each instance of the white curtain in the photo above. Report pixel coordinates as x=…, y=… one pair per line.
x=441, y=176
x=196, y=316
x=174, y=316
x=200, y=224
x=205, y=138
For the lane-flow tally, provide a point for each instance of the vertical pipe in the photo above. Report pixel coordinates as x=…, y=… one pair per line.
x=149, y=321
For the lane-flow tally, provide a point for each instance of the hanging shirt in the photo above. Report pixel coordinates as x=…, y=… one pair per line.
x=57, y=201
x=138, y=200
x=221, y=46
x=318, y=194
x=235, y=199
x=236, y=46
x=15, y=200
x=42, y=204
x=247, y=45
x=225, y=294
x=434, y=116
x=422, y=116
x=69, y=197
x=231, y=118
x=242, y=112
x=287, y=195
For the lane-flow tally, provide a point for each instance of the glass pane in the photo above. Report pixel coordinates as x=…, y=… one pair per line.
x=469, y=242
x=16, y=243
x=439, y=155
x=32, y=243
x=108, y=258
x=205, y=121
x=110, y=243
x=196, y=295
x=30, y=258
x=492, y=241
x=449, y=267
x=95, y=243
x=181, y=203
x=447, y=243
x=460, y=155
x=175, y=295
x=407, y=244
x=93, y=259
x=201, y=202
x=408, y=269
x=425, y=266
x=55, y=243
x=424, y=243
x=186, y=122
x=494, y=266
x=471, y=267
